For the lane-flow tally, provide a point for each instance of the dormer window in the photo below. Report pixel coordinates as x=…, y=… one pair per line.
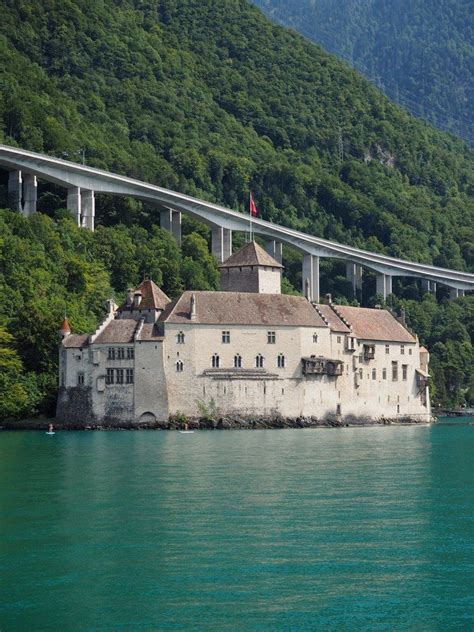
x=180, y=338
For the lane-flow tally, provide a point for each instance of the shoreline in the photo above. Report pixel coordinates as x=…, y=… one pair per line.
x=225, y=423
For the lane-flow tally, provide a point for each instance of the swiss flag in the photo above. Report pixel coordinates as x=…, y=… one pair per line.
x=253, y=208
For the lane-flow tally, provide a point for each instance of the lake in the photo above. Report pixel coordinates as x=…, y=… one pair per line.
x=323, y=529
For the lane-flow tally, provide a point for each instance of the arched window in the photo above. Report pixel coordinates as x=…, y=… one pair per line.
x=179, y=366
x=259, y=360
x=237, y=361
x=180, y=338
x=315, y=337
x=215, y=360
x=281, y=361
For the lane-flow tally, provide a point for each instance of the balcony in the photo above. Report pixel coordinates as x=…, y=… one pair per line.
x=322, y=366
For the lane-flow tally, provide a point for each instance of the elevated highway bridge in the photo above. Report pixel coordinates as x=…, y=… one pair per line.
x=83, y=183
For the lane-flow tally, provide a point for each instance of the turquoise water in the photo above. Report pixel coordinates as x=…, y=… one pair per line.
x=327, y=529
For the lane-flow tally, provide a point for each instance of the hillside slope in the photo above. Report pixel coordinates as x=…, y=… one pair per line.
x=212, y=99
x=420, y=52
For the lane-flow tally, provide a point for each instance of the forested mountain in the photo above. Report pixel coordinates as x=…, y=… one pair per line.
x=419, y=52
x=212, y=99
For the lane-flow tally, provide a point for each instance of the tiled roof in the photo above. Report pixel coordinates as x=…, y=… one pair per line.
x=65, y=326
x=374, y=324
x=149, y=331
x=250, y=255
x=243, y=308
x=76, y=341
x=152, y=297
x=118, y=330
x=335, y=323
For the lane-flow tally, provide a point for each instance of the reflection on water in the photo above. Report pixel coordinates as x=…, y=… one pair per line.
x=299, y=529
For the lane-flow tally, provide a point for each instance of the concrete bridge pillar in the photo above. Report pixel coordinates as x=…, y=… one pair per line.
x=171, y=221
x=275, y=249
x=310, y=278
x=354, y=276
x=221, y=243
x=428, y=286
x=88, y=209
x=30, y=194
x=383, y=285
x=74, y=204
x=455, y=293
x=15, y=190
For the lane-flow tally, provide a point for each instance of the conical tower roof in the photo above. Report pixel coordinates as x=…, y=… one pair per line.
x=251, y=255
x=65, y=327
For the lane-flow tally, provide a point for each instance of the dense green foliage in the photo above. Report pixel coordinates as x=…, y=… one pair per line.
x=50, y=268
x=211, y=99
x=420, y=52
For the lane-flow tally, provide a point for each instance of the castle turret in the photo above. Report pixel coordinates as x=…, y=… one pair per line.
x=65, y=329
x=251, y=269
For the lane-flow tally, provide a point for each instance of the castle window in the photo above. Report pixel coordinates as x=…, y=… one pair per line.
x=281, y=361
x=226, y=337
x=80, y=379
x=180, y=338
x=384, y=374
x=179, y=366
x=387, y=349
x=237, y=361
x=119, y=376
x=109, y=379
x=361, y=374
x=120, y=353
x=339, y=339
x=402, y=349
x=394, y=371
x=129, y=376
x=409, y=351
x=215, y=361
x=111, y=353
x=315, y=337
x=374, y=374
x=271, y=337
x=130, y=353
x=259, y=360
x=404, y=371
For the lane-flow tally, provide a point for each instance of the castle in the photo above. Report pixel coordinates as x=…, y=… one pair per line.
x=247, y=350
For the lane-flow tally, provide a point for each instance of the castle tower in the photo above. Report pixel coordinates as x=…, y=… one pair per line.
x=65, y=329
x=251, y=269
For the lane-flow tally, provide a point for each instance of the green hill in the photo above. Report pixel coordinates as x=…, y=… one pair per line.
x=211, y=99
x=419, y=52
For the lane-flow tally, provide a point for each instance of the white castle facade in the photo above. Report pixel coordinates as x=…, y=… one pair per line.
x=244, y=351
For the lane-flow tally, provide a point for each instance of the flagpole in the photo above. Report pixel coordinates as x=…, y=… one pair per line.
x=250, y=213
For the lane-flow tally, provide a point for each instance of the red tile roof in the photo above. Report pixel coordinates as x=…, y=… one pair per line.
x=76, y=341
x=335, y=323
x=374, y=324
x=251, y=255
x=119, y=330
x=152, y=297
x=243, y=308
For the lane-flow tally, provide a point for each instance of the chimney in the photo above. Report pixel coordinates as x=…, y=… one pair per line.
x=130, y=297
x=137, y=299
x=329, y=299
x=192, y=312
